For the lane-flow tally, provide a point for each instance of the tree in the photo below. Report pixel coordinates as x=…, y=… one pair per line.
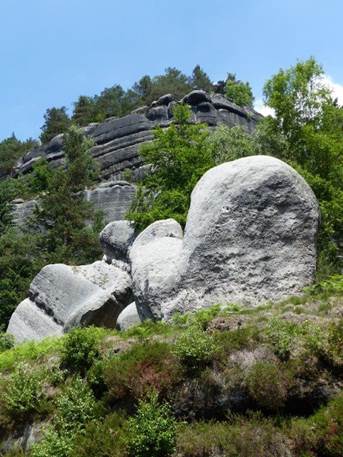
x=307, y=133
x=238, y=92
x=70, y=224
x=56, y=121
x=11, y=149
x=200, y=79
x=179, y=156
x=228, y=144
x=84, y=111
x=173, y=81
x=298, y=97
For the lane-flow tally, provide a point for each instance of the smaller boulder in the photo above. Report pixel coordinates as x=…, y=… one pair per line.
x=155, y=257
x=129, y=317
x=62, y=297
x=116, y=238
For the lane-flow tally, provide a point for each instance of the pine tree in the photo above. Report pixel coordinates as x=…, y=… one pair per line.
x=56, y=121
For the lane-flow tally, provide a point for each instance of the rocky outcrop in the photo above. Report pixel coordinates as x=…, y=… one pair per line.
x=250, y=237
x=112, y=198
x=116, y=141
x=62, y=297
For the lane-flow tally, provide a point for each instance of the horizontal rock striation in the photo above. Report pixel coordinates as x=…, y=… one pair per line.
x=112, y=198
x=117, y=140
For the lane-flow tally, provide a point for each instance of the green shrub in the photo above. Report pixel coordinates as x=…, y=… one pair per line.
x=201, y=317
x=80, y=349
x=102, y=438
x=6, y=341
x=145, y=367
x=75, y=407
x=152, y=431
x=23, y=393
x=267, y=386
x=195, y=348
x=283, y=336
x=242, y=438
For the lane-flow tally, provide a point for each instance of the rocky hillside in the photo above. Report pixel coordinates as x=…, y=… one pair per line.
x=116, y=141
x=250, y=237
x=222, y=382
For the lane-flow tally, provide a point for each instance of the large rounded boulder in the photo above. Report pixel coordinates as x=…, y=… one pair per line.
x=250, y=237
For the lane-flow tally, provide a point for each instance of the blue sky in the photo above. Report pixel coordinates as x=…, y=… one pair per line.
x=52, y=51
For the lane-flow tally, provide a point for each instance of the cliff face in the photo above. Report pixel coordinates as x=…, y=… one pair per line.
x=117, y=140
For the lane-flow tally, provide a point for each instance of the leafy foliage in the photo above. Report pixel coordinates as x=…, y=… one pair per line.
x=11, y=149
x=179, y=156
x=80, y=350
x=238, y=92
x=56, y=121
x=74, y=409
x=152, y=432
x=23, y=393
x=194, y=347
x=307, y=133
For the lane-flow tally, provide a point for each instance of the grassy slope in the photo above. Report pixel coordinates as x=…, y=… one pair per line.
x=260, y=382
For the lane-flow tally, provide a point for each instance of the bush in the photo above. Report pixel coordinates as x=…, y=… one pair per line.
x=152, y=431
x=23, y=393
x=75, y=407
x=145, y=367
x=283, y=336
x=102, y=438
x=267, y=386
x=242, y=438
x=6, y=341
x=195, y=348
x=80, y=349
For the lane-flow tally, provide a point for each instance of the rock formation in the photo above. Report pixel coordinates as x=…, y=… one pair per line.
x=117, y=140
x=61, y=297
x=112, y=198
x=250, y=237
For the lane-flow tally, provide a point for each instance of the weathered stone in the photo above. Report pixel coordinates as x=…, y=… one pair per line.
x=29, y=322
x=62, y=297
x=155, y=257
x=159, y=229
x=129, y=317
x=250, y=237
x=117, y=140
x=115, y=240
x=112, y=198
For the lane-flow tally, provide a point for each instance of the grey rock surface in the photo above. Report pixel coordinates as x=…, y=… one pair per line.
x=112, y=198
x=117, y=140
x=159, y=229
x=250, y=237
x=62, y=297
x=115, y=240
x=129, y=317
x=155, y=257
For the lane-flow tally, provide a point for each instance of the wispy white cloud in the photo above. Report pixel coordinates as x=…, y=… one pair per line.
x=336, y=88
x=263, y=109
